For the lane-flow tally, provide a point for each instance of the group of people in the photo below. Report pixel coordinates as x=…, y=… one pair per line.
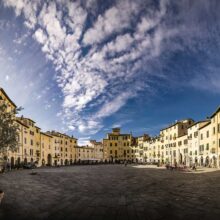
x=180, y=167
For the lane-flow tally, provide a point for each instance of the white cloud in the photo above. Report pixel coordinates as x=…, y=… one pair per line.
x=114, y=20
x=113, y=106
x=40, y=36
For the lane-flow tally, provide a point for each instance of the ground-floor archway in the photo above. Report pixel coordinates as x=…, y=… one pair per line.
x=207, y=161
x=49, y=160
x=201, y=161
x=25, y=161
x=66, y=162
x=43, y=162
x=181, y=158
x=196, y=161
x=12, y=162
x=19, y=161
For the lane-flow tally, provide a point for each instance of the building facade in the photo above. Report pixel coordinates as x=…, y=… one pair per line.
x=118, y=147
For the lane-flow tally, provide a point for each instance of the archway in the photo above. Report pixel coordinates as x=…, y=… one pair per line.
x=61, y=161
x=43, y=162
x=207, y=161
x=66, y=162
x=196, y=161
x=214, y=161
x=12, y=162
x=181, y=159
x=185, y=160
x=201, y=161
x=19, y=161
x=25, y=161
x=190, y=161
x=49, y=160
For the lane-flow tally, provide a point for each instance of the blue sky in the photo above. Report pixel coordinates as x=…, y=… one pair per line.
x=83, y=67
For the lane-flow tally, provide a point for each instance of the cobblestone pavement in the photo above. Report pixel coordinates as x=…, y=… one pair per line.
x=109, y=192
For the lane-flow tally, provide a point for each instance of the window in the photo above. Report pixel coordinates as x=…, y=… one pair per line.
x=213, y=130
x=185, y=151
x=31, y=142
x=25, y=140
x=201, y=136
x=31, y=132
x=207, y=134
x=196, y=134
x=116, y=145
x=110, y=144
x=110, y=151
x=207, y=146
x=201, y=148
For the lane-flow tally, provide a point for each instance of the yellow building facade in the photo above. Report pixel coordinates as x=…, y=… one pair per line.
x=118, y=147
x=63, y=149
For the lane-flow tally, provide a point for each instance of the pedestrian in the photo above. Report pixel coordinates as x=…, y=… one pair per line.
x=125, y=163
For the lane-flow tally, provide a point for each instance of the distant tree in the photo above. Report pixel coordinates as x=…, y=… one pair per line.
x=9, y=129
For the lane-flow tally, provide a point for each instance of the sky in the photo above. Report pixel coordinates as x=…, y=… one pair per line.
x=82, y=67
